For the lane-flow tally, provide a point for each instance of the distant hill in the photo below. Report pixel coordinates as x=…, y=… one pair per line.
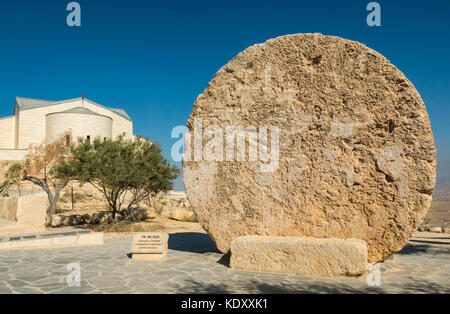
x=439, y=214
x=442, y=191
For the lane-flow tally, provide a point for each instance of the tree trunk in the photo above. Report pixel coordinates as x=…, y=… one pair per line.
x=52, y=197
x=114, y=210
x=52, y=202
x=56, y=197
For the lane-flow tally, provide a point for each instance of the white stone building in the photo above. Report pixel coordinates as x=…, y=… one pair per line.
x=35, y=121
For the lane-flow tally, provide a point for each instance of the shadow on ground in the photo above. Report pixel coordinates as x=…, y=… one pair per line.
x=308, y=287
x=411, y=249
x=431, y=241
x=256, y=287
x=194, y=242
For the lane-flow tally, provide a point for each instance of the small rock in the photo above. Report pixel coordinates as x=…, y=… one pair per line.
x=86, y=219
x=118, y=218
x=106, y=218
x=75, y=220
x=56, y=221
x=424, y=228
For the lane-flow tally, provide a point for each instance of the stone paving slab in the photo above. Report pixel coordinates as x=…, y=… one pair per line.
x=193, y=265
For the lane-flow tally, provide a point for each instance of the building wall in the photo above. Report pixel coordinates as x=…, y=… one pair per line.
x=13, y=154
x=16, y=129
x=81, y=125
x=7, y=132
x=32, y=122
x=8, y=208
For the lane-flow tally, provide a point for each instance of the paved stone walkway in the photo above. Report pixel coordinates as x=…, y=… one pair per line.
x=193, y=266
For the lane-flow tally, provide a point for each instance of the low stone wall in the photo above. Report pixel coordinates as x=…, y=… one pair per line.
x=30, y=210
x=8, y=208
x=434, y=229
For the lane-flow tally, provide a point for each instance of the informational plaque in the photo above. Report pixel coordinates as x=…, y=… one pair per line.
x=149, y=245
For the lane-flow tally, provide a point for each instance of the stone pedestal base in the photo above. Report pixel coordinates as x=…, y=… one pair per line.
x=301, y=256
x=149, y=257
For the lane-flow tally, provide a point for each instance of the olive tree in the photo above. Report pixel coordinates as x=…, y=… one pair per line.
x=39, y=168
x=125, y=171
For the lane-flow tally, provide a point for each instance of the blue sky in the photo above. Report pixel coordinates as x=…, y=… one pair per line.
x=155, y=57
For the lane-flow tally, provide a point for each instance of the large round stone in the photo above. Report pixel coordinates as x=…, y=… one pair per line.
x=356, y=158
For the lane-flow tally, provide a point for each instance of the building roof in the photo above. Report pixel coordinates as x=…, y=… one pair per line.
x=80, y=110
x=29, y=103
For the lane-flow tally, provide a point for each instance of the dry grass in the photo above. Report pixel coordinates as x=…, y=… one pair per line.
x=439, y=214
x=158, y=224
x=77, y=197
x=158, y=208
x=190, y=219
